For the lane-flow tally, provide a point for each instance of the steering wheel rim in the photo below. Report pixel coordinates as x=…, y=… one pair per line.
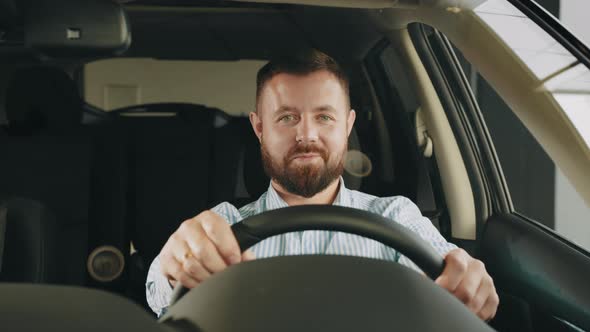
x=255, y=229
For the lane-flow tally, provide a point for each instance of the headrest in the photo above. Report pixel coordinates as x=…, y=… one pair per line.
x=42, y=99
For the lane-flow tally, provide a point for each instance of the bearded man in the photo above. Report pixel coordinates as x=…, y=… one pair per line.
x=302, y=120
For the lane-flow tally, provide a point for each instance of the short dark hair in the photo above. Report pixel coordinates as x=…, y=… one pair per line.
x=301, y=63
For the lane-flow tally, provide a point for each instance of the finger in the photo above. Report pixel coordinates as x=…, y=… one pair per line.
x=220, y=233
x=485, y=290
x=471, y=282
x=176, y=246
x=456, y=264
x=187, y=281
x=248, y=255
x=179, y=243
x=195, y=269
x=176, y=272
x=171, y=258
x=206, y=253
x=490, y=308
x=179, y=251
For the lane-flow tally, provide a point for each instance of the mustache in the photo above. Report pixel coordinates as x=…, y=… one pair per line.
x=309, y=148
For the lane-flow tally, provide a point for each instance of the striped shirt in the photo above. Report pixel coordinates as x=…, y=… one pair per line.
x=397, y=209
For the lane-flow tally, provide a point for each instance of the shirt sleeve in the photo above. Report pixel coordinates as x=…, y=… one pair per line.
x=157, y=288
x=406, y=213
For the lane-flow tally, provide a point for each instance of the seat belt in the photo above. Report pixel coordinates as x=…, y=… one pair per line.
x=424, y=194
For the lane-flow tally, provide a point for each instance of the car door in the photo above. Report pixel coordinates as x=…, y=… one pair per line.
x=541, y=272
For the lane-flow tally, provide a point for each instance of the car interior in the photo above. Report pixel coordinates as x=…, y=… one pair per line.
x=138, y=120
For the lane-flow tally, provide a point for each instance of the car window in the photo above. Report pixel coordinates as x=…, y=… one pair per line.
x=530, y=173
x=115, y=83
x=558, y=71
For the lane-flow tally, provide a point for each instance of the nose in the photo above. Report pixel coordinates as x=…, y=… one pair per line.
x=307, y=131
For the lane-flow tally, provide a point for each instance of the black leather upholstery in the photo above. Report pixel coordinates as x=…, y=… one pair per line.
x=74, y=170
x=168, y=174
x=184, y=159
x=31, y=242
x=46, y=158
x=237, y=159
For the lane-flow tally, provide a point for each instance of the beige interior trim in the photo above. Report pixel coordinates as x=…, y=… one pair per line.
x=123, y=82
x=454, y=178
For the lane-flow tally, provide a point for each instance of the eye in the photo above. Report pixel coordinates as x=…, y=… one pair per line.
x=324, y=118
x=287, y=118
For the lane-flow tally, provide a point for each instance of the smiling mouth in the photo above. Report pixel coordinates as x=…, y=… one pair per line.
x=305, y=156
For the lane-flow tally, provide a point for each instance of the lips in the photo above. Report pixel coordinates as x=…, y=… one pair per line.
x=308, y=152
x=306, y=155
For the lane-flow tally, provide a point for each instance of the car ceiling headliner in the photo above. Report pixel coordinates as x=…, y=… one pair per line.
x=227, y=30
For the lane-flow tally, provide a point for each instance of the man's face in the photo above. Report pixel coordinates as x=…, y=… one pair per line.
x=303, y=123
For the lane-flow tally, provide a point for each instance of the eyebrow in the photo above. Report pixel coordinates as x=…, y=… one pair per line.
x=284, y=109
x=324, y=108
x=321, y=108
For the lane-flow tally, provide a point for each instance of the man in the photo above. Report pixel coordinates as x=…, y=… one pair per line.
x=302, y=120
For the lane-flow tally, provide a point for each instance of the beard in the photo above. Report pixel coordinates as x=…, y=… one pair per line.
x=305, y=180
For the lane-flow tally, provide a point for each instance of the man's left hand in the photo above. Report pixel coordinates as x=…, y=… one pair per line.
x=467, y=279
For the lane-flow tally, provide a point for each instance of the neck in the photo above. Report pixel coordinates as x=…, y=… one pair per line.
x=324, y=197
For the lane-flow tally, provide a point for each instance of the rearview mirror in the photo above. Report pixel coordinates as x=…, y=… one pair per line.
x=77, y=27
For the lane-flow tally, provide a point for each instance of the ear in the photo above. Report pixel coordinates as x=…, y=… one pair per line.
x=350, y=121
x=256, y=123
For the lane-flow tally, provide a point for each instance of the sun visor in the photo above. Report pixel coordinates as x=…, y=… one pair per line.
x=77, y=27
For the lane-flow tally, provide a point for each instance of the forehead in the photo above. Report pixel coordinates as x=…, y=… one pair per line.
x=303, y=90
x=316, y=77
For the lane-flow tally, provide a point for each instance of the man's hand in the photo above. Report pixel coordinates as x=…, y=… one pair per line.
x=201, y=246
x=467, y=279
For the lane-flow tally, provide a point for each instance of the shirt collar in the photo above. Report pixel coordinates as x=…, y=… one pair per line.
x=274, y=201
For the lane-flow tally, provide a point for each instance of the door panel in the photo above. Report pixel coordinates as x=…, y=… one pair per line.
x=530, y=262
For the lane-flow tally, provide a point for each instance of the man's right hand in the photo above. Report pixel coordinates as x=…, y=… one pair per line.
x=201, y=246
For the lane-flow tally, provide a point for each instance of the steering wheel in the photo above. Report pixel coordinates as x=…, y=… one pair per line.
x=280, y=281
x=255, y=229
